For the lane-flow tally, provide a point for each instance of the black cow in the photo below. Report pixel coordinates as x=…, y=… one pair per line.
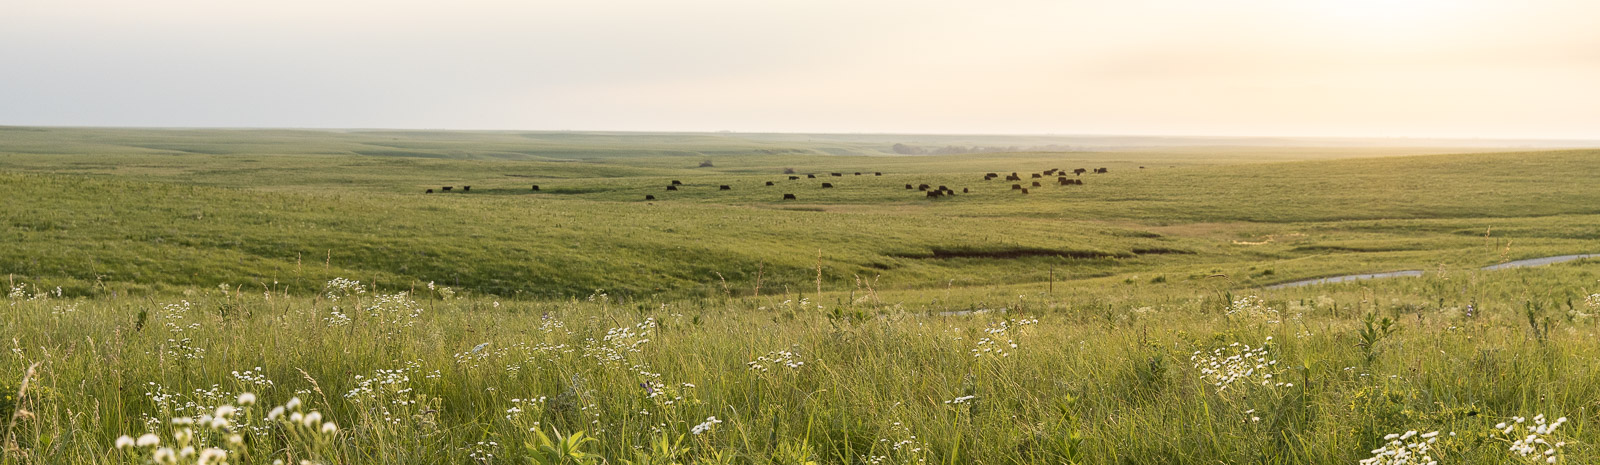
x=963, y=190
x=1024, y=191
x=943, y=188
x=1141, y=167
x=466, y=188
x=922, y=187
x=858, y=173
x=672, y=187
x=1063, y=181
x=791, y=178
x=788, y=196
x=446, y=188
x=1100, y=170
x=877, y=173
x=1079, y=171
x=649, y=197
x=827, y=185
x=535, y=187
x=1037, y=175
x=1036, y=184
x=837, y=174
x=724, y=188
x=1016, y=186
x=769, y=183
x=1013, y=178
x=811, y=176
x=429, y=191
x=908, y=187
x=676, y=183
x=935, y=194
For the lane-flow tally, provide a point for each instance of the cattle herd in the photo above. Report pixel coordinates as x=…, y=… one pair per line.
x=928, y=191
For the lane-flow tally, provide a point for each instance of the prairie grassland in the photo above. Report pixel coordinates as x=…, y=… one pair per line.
x=155, y=275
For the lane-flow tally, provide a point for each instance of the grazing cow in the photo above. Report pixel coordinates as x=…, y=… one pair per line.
x=1037, y=175
x=672, y=187
x=769, y=183
x=811, y=176
x=827, y=185
x=676, y=183
x=1100, y=170
x=837, y=174
x=922, y=187
x=993, y=175
x=1079, y=171
x=788, y=196
x=934, y=194
x=963, y=190
x=1016, y=186
x=535, y=187
x=877, y=173
x=1063, y=181
x=649, y=197
x=1141, y=167
x=908, y=187
x=858, y=173
x=1078, y=182
x=466, y=188
x=1024, y=190
x=446, y=188
x=1050, y=172
x=429, y=191
x=1036, y=184
x=943, y=188
x=724, y=188
x=791, y=178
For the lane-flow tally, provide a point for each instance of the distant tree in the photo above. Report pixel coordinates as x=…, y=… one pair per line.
x=904, y=149
x=788, y=171
x=706, y=164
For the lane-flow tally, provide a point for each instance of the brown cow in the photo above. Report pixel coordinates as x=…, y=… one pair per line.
x=1024, y=191
x=1016, y=186
x=1036, y=184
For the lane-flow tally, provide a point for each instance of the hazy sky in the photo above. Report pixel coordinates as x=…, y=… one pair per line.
x=1443, y=68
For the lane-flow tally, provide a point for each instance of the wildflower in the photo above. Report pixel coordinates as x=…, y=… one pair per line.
x=311, y=419
x=1401, y=449
x=705, y=426
x=212, y=456
x=961, y=400
x=275, y=413
x=148, y=440
x=294, y=403
x=247, y=399
x=1535, y=441
x=124, y=442
x=165, y=456
x=225, y=411
x=329, y=428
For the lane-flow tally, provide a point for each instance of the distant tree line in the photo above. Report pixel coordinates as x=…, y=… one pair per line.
x=904, y=149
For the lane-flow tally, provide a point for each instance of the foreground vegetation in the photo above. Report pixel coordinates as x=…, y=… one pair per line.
x=294, y=295
x=1095, y=376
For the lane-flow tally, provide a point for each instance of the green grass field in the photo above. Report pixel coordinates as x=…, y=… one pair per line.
x=158, y=274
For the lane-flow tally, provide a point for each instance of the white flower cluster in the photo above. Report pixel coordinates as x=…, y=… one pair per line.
x=776, y=358
x=998, y=342
x=705, y=426
x=253, y=378
x=395, y=309
x=1534, y=441
x=1252, y=308
x=1237, y=364
x=618, y=342
x=1592, y=301
x=1410, y=448
x=961, y=400
x=340, y=287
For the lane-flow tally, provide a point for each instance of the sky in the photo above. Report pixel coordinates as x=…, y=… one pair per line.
x=1356, y=68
